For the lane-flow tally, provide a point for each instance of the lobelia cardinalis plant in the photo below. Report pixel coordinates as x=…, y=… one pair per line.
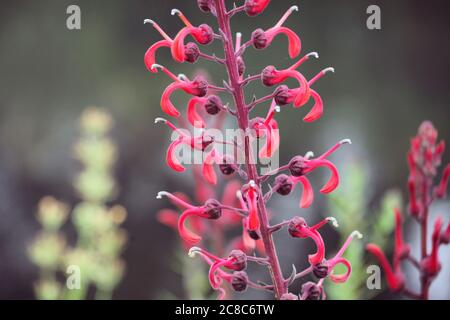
x=257, y=189
x=424, y=160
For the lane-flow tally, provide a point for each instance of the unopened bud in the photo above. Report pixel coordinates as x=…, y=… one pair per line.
x=213, y=105
x=283, y=185
x=311, y=291
x=259, y=39
x=239, y=281
x=191, y=52
x=320, y=270
x=297, y=166
x=213, y=209
x=240, y=260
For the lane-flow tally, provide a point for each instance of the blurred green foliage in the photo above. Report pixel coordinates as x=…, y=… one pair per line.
x=350, y=205
x=100, y=239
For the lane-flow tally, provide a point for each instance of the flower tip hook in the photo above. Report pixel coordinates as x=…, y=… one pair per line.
x=158, y=120
x=356, y=234
x=193, y=251
x=293, y=8
x=157, y=66
x=334, y=221
x=175, y=11
x=313, y=54
x=345, y=141
x=149, y=21
x=329, y=69
x=161, y=194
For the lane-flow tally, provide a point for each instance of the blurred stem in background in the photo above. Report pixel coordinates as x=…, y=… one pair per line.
x=100, y=240
x=374, y=224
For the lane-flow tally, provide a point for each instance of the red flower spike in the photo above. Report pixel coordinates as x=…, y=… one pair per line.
x=401, y=249
x=262, y=39
x=255, y=7
x=395, y=278
x=251, y=194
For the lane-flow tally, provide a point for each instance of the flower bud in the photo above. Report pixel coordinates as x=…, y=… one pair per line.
x=283, y=185
x=191, y=52
x=259, y=39
x=201, y=86
x=241, y=65
x=240, y=260
x=254, y=234
x=268, y=75
x=282, y=95
x=205, y=5
x=295, y=225
x=289, y=296
x=320, y=270
x=227, y=167
x=311, y=291
x=213, y=209
x=207, y=34
x=239, y=281
x=297, y=166
x=213, y=105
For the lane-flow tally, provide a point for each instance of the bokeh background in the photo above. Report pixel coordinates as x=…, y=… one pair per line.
x=387, y=81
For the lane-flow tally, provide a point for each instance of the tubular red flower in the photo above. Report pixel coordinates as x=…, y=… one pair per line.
x=442, y=189
x=395, y=279
x=431, y=265
x=208, y=167
x=186, y=234
x=171, y=158
x=194, y=118
x=333, y=181
x=255, y=7
x=149, y=57
x=251, y=194
x=401, y=249
x=203, y=34
x=307, y=197
x=317, y=110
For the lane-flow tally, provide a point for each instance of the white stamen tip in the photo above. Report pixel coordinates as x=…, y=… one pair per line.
x=345, y=141
x=333, y=221
x=149, y=21
x=330, y=69
x=158, y=120
x=277, y=109
x=356, y=234
x=313, y=54
x=239, y=194
x=252, y=183
x=293, y=8
x=175, y=11
x=161, y=194
x=309, y=155
x=182, y=76
x=193, y=251
x=157, y=66
x=238, y=34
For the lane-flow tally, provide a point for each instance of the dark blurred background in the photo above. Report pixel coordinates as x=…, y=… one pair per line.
x=386, y=82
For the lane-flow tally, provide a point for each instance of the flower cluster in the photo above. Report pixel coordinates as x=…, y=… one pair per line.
x=424, y=160
x=243, y=203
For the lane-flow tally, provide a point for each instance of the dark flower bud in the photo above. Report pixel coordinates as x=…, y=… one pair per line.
x=268, y=75
x=282, y=95
x=320, y=270
x=213, y=105
x=191, y=52
x=283, y=185
x=227, y=166
x=254, y=234
x=201, y=86
x=239, y=281
x=295, y=225
x=240, y=260
x=241, y=65
x=289, y=296
x=207, y=34
x=297, y=166
x=259, y=39
x=311, y=291
x=205, y=5
x=213, y=209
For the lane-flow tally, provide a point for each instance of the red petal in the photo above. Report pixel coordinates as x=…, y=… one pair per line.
x=341, y=277
x=253, y=220
x=171, y=159
x=295, y=45
x=178, y=44
x=333, y=181
x=317, y=110
x=320, y=253
x=213, y=280
x=186, y=234
x=308, y=193
x=149, y=57
x=272, y=142
x=395, y=282
x=168, y=217
x=229, y=194
x=208, y=168
x=194, y=118
x=166, y=105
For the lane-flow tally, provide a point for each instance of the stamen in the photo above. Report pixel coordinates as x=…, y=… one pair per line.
x=181, y=16
x=333, y=220
x=345, y=141
x=169, y=124
x=334, y=148
x=252, y=184
x=271, y=114
x=175, y=199
x=183, y=77
x=303, y=59
x=285, y=16
x=194, y=251
x=320, y=75
x=309, y=155
x=164, y=69
x=158, y=28
x=356, y=234
x=238, y=41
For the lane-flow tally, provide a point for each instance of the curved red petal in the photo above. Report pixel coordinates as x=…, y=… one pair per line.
x=168, y=217
x=208, y=168
x=340, y=278
x=395, y=282
x=171, y=159
x=194, y=118
x=253, y=220
x=166, y=105
x=178, y=44
x=295, y=45
x=333, y=181
x=317, y=110
x=186, y=234
x=308, y=193
x=320, y=253
x=149, y=57
x=229, y=194
x=213, y=279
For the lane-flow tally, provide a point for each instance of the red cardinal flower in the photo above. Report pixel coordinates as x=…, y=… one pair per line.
x=262, y=39
x=212, y=105
x=197, y=87
x=431, y=265
x=210, y=210
x=203, y=34
x=254, y=7
x=300, y=96
x=299, y=229
x=250, y=193
x=267, y=127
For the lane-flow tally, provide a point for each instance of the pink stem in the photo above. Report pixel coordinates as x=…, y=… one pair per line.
x=243, y=120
